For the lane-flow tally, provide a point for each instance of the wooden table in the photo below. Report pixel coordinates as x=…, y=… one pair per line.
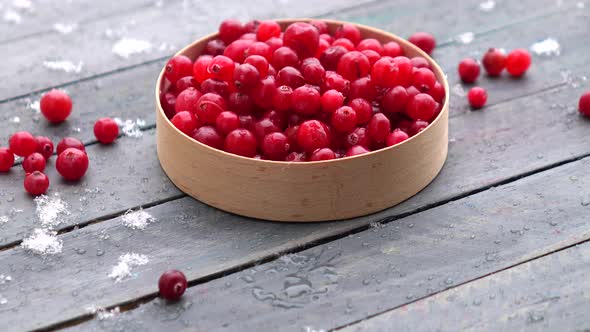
x=497, y=242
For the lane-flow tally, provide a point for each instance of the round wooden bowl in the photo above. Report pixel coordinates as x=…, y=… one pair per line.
x=308, y=191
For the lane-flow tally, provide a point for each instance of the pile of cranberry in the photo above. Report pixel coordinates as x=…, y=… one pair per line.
x=301, y=94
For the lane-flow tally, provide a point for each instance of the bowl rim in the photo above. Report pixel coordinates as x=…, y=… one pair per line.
x=394, y=37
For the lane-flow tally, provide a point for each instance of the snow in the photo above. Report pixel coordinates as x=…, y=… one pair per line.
x=127, y=47
x=137, y=219
x=22, y=4
x=64, y=65
x=50, y=210
x=487, y=6
x=3, y=220
x=546, y=47
x=65, y=28
x=4, y=279
x=11, y=16
x=43, y=242
x=102, y=313
x=131, y=128
x=14, y=119
x=126, y=262
x=35, y=106
x=466, y=37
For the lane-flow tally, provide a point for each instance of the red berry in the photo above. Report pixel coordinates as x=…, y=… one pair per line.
x=275, y=146
x=264, y=92
x=226, y=122
x=177, y=67
x=222, y=68
x=372, y=56
x=306, y=100
x=22, y=143
x=184, y=83
x=313, y=135
x=344, y=119
x=259, y=48
x=290, y=76
x=230, y=30
x=322, y=46
x=282, y=98
x=356, y=150
x=477, y=97
x=494, y=61
x=395, y=100
x=353, y=65
x=320, y=25
x=379, y=127
x=397, y=136
x=240, y=103
x=6, y=159
x=168, y=103
x=389, y=72
x=212, y=85
x=584, y=104
x=370, y=44
x=187, y=100
x=295, y=157
x=185, y=121
x=437, y=92
x=363, y=110
x=417, y=126
x=412, y=91
x=44, y=146
x=420, y=62
x=56, y=106
x=72, y=164
x=36, y=183
x=421, y=107
x=327, y=37
x=350, y=32
x=209, y=106
x=241, y=142
x=358, y=136
x=246, y=76
x=259, y=62
x=237, y=50
x=172, y=285
x=208, y=136
x=251, y=26
x=278, y=118
x=201, y=68
x=322, y=154
x=517, y=62
x=70, y=142
x=331, y=101
x=214, y=47
x=392, y=49
x=106, y=130
x=334, y=81
x=274, y=43
x=347, y=44
x=423, y=79
x=312, y=70
x=264, y=127
x=330, y=58
x=291, y=133
x=303, y=38
x=267, y=30
x=424, y=41
x=468, y=70
x=283, y=57
x=247, y=122
x=363, y=88
x=34, y=162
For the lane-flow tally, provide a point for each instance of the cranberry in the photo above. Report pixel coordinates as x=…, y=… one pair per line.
x=241, y=142
x=517, y=62
x=370, y=44
x=291, y=77
x=417, y=126
x=72, y=164
x=34, y=162
x=437, y=92
x=274, y=43
x=185, y=121
x=259, y=48
x=106, y=130
x=168, y=103
x=237, y=50
x=267, y=30
x=209, y=106
x=358, y=136
x=477, y=97
x=264, y=92
x=353, y=65
x=372, y=56
x=395, y=100
x=363, y=88
x=327, y=37
x=226, y=122
x=6, y=159
x=212, y=85
x=313, y=135
x=247, y=122
x=420, y=62
x=172, y=285
x=295, y=157
x=335, y=81
x=251, y=26
x=306, y=100
x=265, y=126
x=378, y=128
x=230, y=30
x=584, y=104
x=350, y=32
x=44, y=146
x=222, y=68
x=22, y=143
x=70, y=142
x=187, y=100
x=215, y=47
x=392, y=49
x=200, y=68
x=356, y=150
x=344, y=119
x=320, y=25
x=412, y=91
x=177, y=67
x=389, y=72
x=468, y=70
x=283, y=57
x=363, y=110
x=249, y=36
x=422, y=107
x=312, y=70
x=291, y=133
x=259, y=62
x=331, y=101
x=330, y=58
x=424, y=41
x=246, y=76
x=184, y=83
x=278, y=118
x=347, y=44
x=322, y=154
x=282, y=98
x=275, y=146
x=56, y=106
x=423, y=79
x=322, y=46
x=404, y=125
x=36, y=183
x=240, y=103
x=397, y=136
x=303, y=38
x=494, y=62
x=208, y=136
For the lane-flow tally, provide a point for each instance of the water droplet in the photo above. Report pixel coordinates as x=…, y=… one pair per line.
x=536, y=316
x=449, y=281
x=247, y=278
x=409, y=296
x=476, y=302
x=410, y=225
x=585, y=201
x=99, y=252
x=80, y=251
x=472, y=236
x=261, y=295
x=366, y=282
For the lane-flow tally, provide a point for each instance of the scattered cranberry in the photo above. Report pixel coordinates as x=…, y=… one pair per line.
x=468, y=70
x=44, y=146
x=230, y=30
x=477, y=97
x=177, y=67
x=70, y=142
x=584, y=104
x=22, y=143
x=494, y=62
x=209, y=136
x=241, y=142
x=56, y=106
x=185, y=121
x=34, y=162
x=424, y=41
x=72, y=164
x=106, y=130
x=517, y=62
x=172, y=285
x=396, y=137
x=6, y=159
x=36, y=183
x=303, y=38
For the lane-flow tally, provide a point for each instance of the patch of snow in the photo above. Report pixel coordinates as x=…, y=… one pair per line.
x=22, y=4
x=466, y=37
x=127, y=262
x=65, y=28
x=50, y=210
x=102, y=313
x=131, y=128
x=137, y=219
x=487, y=6
x=3, y=300
x=3, y=220
x=546, y=47
x=458, y=90
x=4, y=279
x=14, y=119
x=64, y=65
x=11, y=16
x=43, y=242
x=127, y=47
x=34, y=105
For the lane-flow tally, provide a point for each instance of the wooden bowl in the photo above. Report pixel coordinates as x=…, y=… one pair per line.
x=309, y=191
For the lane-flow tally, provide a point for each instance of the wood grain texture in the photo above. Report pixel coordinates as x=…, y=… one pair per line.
x=346, y=280
x=547, y=294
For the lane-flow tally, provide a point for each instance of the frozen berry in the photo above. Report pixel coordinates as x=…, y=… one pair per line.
x=363, y=110
x=397, y=136
x=468, y=70
x=313, y=135
x=477, y=97
x=422, y=106
x=36, y=183
x=348, y=31
x=241, y=142
x=209, y=136
x=22, y=143
x=6, y=159
x=322, y=154
x=201, y=68
x=291, y=77
x=177, y=67
x=395, y=100
x=331, y=56
x=267, y=30
x=378, y=128
x=172, y=285
x=187, y=100
x=230, y=30
x=106, y=130
x=283, y=57
x=282, y=98
x=584, y=104
x=264, y=92
x=331, y=101
x=424, y=41
x=34, y=162
x=494, y=62
x=185, y=121
x=344, y=119
x=356, y=150
x=72, y=164
x=389, y=72
x=392, y=49
x=517, y=62
x=306, y=100
x=353, y=65
x=222, y=68
x=214, y=47
x=70, y=142
x=209, y=106
x=303, y=38
x=275, y=146
x=246, y=76
x=56, y=106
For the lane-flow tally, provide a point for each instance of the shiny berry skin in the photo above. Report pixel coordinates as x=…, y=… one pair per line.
x=389, y=72
x=330, y=58
x=251, y=26
x=267, y=30
x=363, y=110
x=241, y=142
x=283, y=57
x=363, y=88
x=249, y=36
x=264, y=92
x=372, y=56
x=72, y=164
x=246, y=76
x=477, y=97
x=517, y=62
x=226, y=122
x=379, y=127
x=395, y=100
x=106, y=130
x=291, y=77
x=412, y=91
x=397, y=136
x=6, y=159
x=70, y=142
x=184, y=83
x=424, y=41
x=282, y=98
x=237, y=50
x=209, y=136
x=212, y=85
x=214, y=47
x=177, y=67
x=320, y=25
x=584, y=104
x=370, y=44
x=353, y=65
x=348, y=31
x=168, y=103
x=209, y=106
x=185, y=121
x=264, y=127
x=392, y=49
x=277, y=117
x=358, y=136
x=36, y=183
x=347, y=44
x=306, y=100
x=34, y=162
x=312, y=70
x=275, y=146
x=423, y=79
x=322, y=46
x=417, y=126
x=56, y=106
x=240, y=103
x=344, y=119
x=187, y=100
x=468, y=70
x=313, y=135
x=259, y=62
x=331, y=100
x=201, y=68
x=356, y=150
x=303, y=38
x=420, y=62
x=322, y=154
x=335, y=81
x=259, y=48
x=222, y=68
x=230, y=30
x=291, y=133
x=494, y=62
x=437, y=92
x=22, y=143
x=274, y=43
x=44, y=146
x=421, y=107
x=172, y=285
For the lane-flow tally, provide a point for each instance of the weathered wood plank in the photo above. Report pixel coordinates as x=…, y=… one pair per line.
x=366, y=273
x=547, y=294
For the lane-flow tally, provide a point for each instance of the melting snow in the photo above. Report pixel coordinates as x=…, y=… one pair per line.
x=137, y=219
x=64, y=28
x=546, y=47
x=126, y=262
x=131, y=128
x=3, y=300
x=64, y=65
x=466, y=37
x=126, y=47
x=487, y=6
x=11, y=16
x=43, y=242
x=50, y=210
x=14, y=119
x=4, y=279
x=102, y=313
x=3, y=220
x=34, y=105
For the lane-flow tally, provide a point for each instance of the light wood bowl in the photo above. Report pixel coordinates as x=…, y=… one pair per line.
x=310, y=191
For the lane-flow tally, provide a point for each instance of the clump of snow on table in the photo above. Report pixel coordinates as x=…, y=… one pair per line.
x=546, y=47
x=14, y=119
x=137, y=219
x=43, y=242
x=4, y=279
x=11, y=16
x=466, y=37
x=126, y=263
x=50, y=210
x=3, y=300
x=127, y=47
x=487, y=6
x=3, y=220
x=102, y=313
x=34, y=105
x=64, y=65
x=65, y=28
x=129, y=127
x=458, y=90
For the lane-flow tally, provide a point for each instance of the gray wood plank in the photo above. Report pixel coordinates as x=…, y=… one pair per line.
x=547, y=294
x=346, y=280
